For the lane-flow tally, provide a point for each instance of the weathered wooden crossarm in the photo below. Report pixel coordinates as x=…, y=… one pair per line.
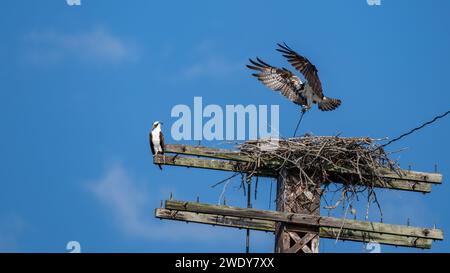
x=212, y=219
x=434, y=178
x=206, y=152
x=269, y=226
x=237, y=166
x=311, y=221
x=386, y=239
x=390, y=183
x=212, y=164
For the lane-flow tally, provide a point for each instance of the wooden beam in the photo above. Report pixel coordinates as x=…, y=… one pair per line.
x=311, y=221
x=206, y=152
x=211, y=164
x=392, y=183
x=434, y=178
x=233, y=166
x=269, y=226
x=219, y=220
x=386, y=239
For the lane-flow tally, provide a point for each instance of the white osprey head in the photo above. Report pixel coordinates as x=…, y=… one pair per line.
x=156, y=124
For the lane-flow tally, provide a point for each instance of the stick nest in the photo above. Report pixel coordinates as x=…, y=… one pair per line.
x=321, y=160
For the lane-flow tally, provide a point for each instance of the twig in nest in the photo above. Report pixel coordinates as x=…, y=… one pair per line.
x=344, y=194
x=223, y=191
x=256, y=186
x=270, y=195
x=225, y=180
x=243, y=183
x=344, y=218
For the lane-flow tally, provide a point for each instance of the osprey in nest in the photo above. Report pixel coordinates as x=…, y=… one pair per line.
x=291, y=86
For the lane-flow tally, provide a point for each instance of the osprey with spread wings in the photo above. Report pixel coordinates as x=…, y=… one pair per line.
x=291, y=86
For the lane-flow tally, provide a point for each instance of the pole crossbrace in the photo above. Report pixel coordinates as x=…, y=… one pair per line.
x=326, y=227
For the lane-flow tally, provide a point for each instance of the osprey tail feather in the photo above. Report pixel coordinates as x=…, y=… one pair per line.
x=328, y=104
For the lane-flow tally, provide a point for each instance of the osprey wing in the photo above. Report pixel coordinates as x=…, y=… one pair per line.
x=150, y=138
x=161, y=142
x=304, y=66
x=278, y=79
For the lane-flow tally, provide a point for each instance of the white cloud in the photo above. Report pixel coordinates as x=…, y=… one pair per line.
x=213, y=66
x=130, y=204
x=209, y=62
x=96, y=45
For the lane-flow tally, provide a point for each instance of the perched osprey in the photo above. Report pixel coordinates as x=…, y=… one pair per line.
x=157, y=139
x=291, y=86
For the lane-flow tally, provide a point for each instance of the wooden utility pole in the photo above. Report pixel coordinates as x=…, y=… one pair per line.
x=295, y=197
x=297, y=223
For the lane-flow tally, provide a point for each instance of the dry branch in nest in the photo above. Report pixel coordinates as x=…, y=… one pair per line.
x=321, y=160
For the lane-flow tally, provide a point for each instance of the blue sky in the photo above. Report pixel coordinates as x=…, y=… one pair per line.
x=77, y=99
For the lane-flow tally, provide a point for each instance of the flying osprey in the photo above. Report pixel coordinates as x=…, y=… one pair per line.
x=291, y=86
x=157, y=139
